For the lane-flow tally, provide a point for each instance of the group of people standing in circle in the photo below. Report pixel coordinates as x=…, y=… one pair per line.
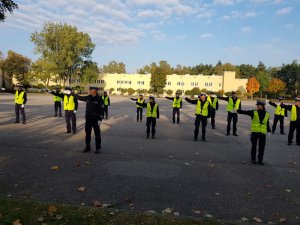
x=206, y=107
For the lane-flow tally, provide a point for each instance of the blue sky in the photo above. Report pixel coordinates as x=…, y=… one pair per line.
x=186, y=32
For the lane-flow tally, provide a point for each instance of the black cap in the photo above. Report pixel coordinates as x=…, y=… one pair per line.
x=68, y=88
x=233, y=92
x=152, y=97
x=177, y=92
x=297, y=99
x=260, y=102
x=212, y=93
x=19, y=85
x=280, y=98
x=93, y=88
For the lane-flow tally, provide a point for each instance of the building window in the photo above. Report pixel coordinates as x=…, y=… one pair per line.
x=194, y=84
x=129, y=82
x=102, y=81
x=101, y=88
x=219, y=84
x=178, y=83
x=182, y=83
x=118, y=89
x=169, y=83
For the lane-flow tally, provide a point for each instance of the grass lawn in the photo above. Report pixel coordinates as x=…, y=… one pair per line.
x=17, y=212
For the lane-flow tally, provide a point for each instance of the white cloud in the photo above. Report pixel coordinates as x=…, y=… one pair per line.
x=284, y=11
x=246, y=29
x=206, y=35
x=224, y=2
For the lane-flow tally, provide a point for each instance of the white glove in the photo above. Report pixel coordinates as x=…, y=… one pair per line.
x=99, y=123
x=2, y=89
x=285, y=118
x=179, y=109
x=22, y=106
x=67, y=92
x=269, y=135
x=233, y=111
x=75, y=111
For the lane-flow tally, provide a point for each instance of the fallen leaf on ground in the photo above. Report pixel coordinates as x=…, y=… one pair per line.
x=17, y=222
x=208, y=215
x=96, y=203
x=187, y=164
x=167, y=211
x=244, y=219
x=106, y=205
x=288, y=190
x=217, y=194
x=77, y=164
x=54, y=168
x=197, y=212
x=52, y=209
x=9, y=196
x=282, y=220
x=44, y=224
x=176, y=213
x=81, y=189
x=258, y=220
x=268, y=186
x=86, y=163
x=150, y=211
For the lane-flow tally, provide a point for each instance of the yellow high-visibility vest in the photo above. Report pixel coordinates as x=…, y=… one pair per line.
x=214, y=104
x=204, y=110
x=294, y=113
x=105, y=99
x=177, y=103
x=57, y=98
x=152, y=114
x=19, y=97
x=141, y=101
x=69, y=103
x=279, y=111
x=231, y=105
x=258, y=127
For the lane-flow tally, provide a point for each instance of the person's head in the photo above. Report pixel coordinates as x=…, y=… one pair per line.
x=57, y=88
x=233, y=94
x=202, y=96
x=19, y=86
x=212, y=94
x=151, y=98
x=280, y=99
x=141, y=96
x=105, y=93
x=177, y=94
x=68, y=89
x=297, y=101
x=260, y=104
x=93, y=91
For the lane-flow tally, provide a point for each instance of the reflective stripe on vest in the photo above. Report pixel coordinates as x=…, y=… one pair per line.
x=19, y=98
x=279, y=111
x=231, y=105
x=209, y=99
x=141, y=101
x=69, y=103
x=258, y=127
x=105, y=99
x=202, y=111
x=154, y=112
x=293, y=113
x=57, y=99
x=214, y=104
x=176, y=102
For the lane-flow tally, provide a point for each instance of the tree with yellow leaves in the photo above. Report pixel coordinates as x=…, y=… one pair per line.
x=252, y=86
x=276, y=85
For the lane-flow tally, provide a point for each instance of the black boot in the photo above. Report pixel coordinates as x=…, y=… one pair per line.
x=87, y=149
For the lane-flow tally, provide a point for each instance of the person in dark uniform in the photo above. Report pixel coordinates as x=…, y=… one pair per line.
x=57, y=102
x=234, y=104
x=259, y=128
x=106, y=101
x=70, y=107
x=20, y=101
x=177, y=106
x=152, y=114
x=295, y=121
x=214, y=102
x=139, y=109
x=93, y=116
x=280, y=114
x=203, y=108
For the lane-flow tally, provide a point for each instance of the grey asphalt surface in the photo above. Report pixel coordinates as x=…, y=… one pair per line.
x=214, y=177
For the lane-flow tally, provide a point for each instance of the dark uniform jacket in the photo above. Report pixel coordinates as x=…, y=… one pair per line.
x=261, y=115
x=94, y=105
x=152, y=104
x=61, y=95
x=14, y=92
x=195, y=101
x=172, y=98
x=234, y=100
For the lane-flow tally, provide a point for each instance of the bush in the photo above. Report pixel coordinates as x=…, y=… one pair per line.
x=40, y=86
x=195, y=91
x=150, y=91
x=169, y=92
x=204, y=90
x=228, y=93
x=188, y=92
x=111, y=90
x=123, y=90
x=180, y=92
x=131, y=91
x=220, y=93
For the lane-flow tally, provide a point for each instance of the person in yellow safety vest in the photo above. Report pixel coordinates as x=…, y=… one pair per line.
x=177, y=106
x=20, y=101
x=295, y=121
x=214, y=101
x=57, y=102
x=203, y=108
x=139, y=109
x=280, y=114
x=70, y=107
x=106, y=101
x=234, y=104
x=152, y=114
x=259, y=128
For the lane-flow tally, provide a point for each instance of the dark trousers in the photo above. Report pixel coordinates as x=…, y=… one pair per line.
x=234, y=118
x=139, y=114
x=281, y=120
x=212, y=118
x=151, y=122
x=294, y=125
x=57, y=108
x=176, y=111
x=261, y=139
x=70, y=116
x=105, y=111
x=19, y=109
x=92, y=123
x=203, y=120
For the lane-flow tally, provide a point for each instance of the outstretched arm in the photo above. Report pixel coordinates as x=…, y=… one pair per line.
x=8, y=90
x=273, y=104
x=144, y=105
x=170, y=98
x=223, y=98
x=287, y=107
x=192, y=101
x=76, y=104
x=246, y=112
x=133, y=99
x=61, y=95
x=80, y=98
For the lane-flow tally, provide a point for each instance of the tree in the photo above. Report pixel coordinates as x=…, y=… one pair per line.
x=158, y=75
x=17, y=65
x=263, y=77
x=114, y=67
x=130, y=91
x=111, y=90
x=123, y=90
x=195, y=91
x=89, y=72
x=43, y=70
x=169, y=92
x=252, y=86
x=276, y=85
x=246, y=70
x=65, y=46
x=6, y=6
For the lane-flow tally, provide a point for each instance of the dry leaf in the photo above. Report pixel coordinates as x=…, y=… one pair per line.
x=52, y=209
x=197, y=212
x=150, y=211
x=282, y=220
x=17, y=222
x=54, y=168
x=96, y=203
x=81, y=189
x=218, y=194
x=187, y=164
x=258, y=220
x=87, y=163
x=77, y=164
x=288, y=190
x=106, y=205
x=244, y=219
x=208, y=215
x=176, y=213
x=167, y=211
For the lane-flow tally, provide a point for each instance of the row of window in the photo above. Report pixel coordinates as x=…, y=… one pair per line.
x=123, y=82
x=193, y=84
x=99, y=81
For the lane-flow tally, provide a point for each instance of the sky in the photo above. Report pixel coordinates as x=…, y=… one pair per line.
x=186, y=32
